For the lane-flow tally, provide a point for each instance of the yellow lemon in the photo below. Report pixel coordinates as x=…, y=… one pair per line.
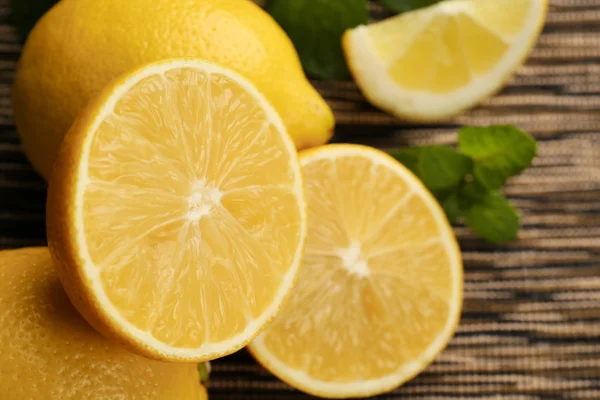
x=79, y=46
x=176, y=211
x=435, y=62
x=380, y=290
x=50, y=352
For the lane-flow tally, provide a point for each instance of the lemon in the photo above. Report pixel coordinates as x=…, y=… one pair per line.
x=79, y=46
x=380, y=290
x=176, y=211
x=50, y=352
x=435, y=62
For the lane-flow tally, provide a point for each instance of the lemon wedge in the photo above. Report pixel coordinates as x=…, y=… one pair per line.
x=435, y=62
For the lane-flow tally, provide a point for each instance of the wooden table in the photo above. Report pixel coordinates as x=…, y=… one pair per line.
x=531, y=322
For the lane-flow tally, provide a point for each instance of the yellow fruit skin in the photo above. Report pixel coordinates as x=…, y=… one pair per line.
x=81, y=45
x=50, y=352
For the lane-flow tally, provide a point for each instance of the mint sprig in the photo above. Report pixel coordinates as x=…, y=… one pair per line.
x=467, y=181
x=316, y=28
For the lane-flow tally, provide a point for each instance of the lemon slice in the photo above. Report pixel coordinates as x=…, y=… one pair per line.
x=176, y=214
x=380, y=289
x=435, y=62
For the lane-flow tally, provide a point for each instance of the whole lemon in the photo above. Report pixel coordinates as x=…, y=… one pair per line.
x=81, y=45
x=48, y=351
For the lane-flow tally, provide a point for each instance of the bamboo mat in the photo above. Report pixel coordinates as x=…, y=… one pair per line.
x=531, y=323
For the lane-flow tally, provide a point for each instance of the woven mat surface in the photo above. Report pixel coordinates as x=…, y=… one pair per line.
x=531, y=322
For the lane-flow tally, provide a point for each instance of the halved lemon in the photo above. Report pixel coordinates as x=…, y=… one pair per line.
x=176, y=212
x=380, y=290
x=435, y=62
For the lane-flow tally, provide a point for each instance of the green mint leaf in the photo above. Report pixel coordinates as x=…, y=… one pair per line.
x=457, y=201
x=316, y=28
x=472, y=191
x=493, y=218
x=25, y=14
x=451, y=203
x=499, y=152
x=204, y=372
x=440, y=168
x=443, y=168
x=409, y=157
x=407, y=5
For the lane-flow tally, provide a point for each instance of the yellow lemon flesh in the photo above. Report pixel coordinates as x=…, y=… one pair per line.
x=176, y=211
x=50, y=352
x=435, y=62
x=80, y=46
x=380, y=289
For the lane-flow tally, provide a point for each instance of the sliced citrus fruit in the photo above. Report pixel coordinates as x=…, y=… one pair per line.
x=176, y=214
x=380, y=290
x=434, y=62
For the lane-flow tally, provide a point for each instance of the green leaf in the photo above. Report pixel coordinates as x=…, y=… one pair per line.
x=409, y=157
x=439, y=167
x=472, y=191
x=316, y=28
x=493, y=218
x=25, y=14
x=452, y=206
x=499, y=152
x=442, y=167
x=204, y=372
x=407, y=5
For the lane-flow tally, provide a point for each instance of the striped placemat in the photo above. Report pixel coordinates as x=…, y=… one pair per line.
x=531, y=322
